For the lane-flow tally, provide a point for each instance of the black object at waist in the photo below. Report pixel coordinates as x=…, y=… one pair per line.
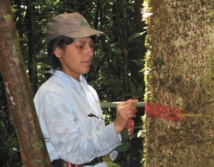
x=61, y=163
x=94, y=161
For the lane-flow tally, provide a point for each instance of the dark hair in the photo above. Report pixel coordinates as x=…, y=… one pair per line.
x=61, y=42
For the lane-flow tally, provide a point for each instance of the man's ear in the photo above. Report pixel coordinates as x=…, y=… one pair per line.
x=58, y=52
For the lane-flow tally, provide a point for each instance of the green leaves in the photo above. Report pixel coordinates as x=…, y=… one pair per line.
x=136, y=35
x=125, y=142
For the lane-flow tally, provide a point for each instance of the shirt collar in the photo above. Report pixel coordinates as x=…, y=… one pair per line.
x=68, y=79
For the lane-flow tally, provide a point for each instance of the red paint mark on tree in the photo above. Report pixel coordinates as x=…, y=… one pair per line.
x=160, y=111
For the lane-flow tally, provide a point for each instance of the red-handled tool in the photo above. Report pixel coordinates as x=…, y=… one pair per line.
x=68, y=164
x=129, y=124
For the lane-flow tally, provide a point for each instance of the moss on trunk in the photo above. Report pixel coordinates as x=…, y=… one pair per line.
x=179, y=74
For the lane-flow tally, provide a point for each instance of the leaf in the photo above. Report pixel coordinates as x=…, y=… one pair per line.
x=116, y=50
x=125, y=142
x=124, y=147
x=109, y=162
x=131, y=38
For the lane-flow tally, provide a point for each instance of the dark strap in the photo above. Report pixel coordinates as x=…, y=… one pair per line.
x=94, y=161
x=61, y=163
x=58, y=163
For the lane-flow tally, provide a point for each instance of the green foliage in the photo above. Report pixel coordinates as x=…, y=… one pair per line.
x=125, y=142
x=109, y=162
x=133, y=37
x=9, y=150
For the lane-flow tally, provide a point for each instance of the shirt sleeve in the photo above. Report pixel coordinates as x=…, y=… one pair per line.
x=63, y=130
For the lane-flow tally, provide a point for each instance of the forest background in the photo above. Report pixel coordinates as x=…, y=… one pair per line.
x=115, y=73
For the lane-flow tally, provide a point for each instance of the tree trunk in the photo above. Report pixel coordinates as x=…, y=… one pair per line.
x=31, y=26
x=19, y=96
x=179, y=83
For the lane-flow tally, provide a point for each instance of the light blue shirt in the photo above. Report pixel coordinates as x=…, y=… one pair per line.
x=63, y=105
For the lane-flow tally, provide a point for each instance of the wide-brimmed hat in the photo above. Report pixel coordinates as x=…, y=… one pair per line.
x=73, y=25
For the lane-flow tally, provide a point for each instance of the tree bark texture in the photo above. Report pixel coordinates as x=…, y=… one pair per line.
x=19, y=96
x=179, y=77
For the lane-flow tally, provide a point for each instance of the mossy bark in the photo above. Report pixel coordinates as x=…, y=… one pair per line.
x=179, y=73
x=31, y=140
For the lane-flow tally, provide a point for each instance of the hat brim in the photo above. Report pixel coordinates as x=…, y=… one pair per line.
x=84, y=32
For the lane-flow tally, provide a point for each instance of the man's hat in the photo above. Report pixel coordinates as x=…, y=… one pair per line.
x=73, y=25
